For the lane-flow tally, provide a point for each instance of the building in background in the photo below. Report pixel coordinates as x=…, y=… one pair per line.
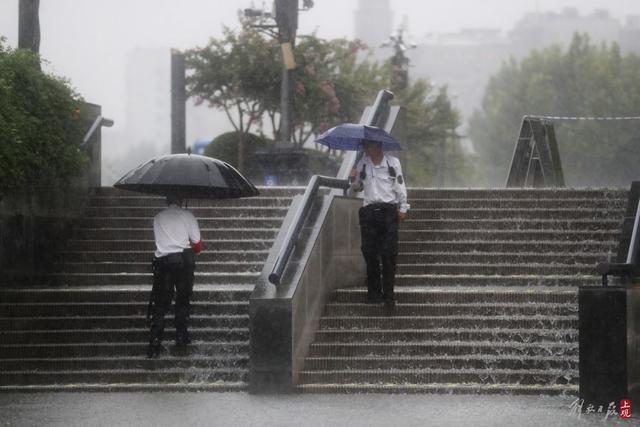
x=146, y=130
x=464, y=61
x=374, y=24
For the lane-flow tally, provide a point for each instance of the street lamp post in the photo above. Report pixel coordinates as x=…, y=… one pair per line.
x=287, y=21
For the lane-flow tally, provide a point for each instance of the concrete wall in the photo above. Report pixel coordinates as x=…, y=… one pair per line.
x=283, y=320
x=33, y=232
x=334, y=261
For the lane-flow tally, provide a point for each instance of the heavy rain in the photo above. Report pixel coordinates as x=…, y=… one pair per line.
x=319, y=212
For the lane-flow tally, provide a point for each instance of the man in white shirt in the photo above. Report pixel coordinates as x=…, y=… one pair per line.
x=379, y=175
x=177, y=238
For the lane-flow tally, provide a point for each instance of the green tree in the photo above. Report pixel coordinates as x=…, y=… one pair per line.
x=225, y=147
x=583, y=80
x=40, y=128
x=240, y=74
x=333, y=82
x=429, y=134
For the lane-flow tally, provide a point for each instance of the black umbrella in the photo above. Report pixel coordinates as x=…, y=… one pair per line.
x=189, y=176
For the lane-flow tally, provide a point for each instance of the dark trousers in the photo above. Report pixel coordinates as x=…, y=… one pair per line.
x=174, y=271
x=379, y=232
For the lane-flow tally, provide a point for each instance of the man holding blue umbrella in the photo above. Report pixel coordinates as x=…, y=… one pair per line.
x=379, y=175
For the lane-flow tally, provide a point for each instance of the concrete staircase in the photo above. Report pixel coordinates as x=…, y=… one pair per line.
x=90, y=333
x=486, y=297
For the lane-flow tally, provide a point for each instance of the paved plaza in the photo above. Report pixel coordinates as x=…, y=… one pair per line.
x=243, y=409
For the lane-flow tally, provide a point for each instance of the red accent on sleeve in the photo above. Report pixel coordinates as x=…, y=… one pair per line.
x=197, y=247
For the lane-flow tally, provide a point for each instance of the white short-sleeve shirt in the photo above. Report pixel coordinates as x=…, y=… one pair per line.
x=174, y=229
x=379, y=186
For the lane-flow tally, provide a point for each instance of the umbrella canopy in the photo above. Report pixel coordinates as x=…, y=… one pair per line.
x=350, y=136
x=189, y=176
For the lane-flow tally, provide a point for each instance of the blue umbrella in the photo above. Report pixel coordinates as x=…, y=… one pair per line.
x=350, y=136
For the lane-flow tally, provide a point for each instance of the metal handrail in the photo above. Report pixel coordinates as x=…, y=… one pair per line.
x=293, y=233
x=99, y=121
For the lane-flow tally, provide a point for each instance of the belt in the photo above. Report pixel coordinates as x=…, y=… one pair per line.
x=381, y=206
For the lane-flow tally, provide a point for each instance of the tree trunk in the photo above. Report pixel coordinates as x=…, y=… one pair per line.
x=241, y=137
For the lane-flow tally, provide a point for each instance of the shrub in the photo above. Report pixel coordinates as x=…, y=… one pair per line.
x=40, y=129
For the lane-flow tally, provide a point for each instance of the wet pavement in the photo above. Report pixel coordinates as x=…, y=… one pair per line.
x=242, y=409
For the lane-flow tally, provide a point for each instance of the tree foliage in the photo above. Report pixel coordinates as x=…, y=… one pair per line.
x=225, y=148
x=240, y=74
x=40, y=128
x=583, y=80
x=431, y=141
x=334, y=80
x=332, y=84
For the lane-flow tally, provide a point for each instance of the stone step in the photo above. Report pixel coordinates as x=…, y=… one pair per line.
x=534, y=213
x=477, y=280
x=208, y=255
x=432, y=322
x=160, y=202
x=596, y=247
x=145, y=267
x=506, y=235
x=117, y=322
x=139, y=335
x=207, y=234
x=478, y=295
x=511, y=224
x=123, y=376
x=440, y=388
x=264, y=192
x=547, y=377
x=451, y=309
x=496, y=269
x=516, y=193
x=198, y=212
x=518, y=203
x=148, y=246
x=113, y=349
x=80, y=309
x=119, y=294
x=438, y=348
x=500, y=258
x=98, y=279
x=205, y=223
x=239, y=362
x=445, y=334
x=466, y=362
x=179, y=386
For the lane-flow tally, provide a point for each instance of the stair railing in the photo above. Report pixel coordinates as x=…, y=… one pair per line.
x=293, y=233
x=371, y=116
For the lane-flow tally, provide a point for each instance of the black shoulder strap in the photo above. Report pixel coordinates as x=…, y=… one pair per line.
x=392, y=170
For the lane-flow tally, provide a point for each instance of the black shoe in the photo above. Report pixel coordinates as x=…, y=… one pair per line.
x=389, y=303
x=154, y=349
x=182, y=339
